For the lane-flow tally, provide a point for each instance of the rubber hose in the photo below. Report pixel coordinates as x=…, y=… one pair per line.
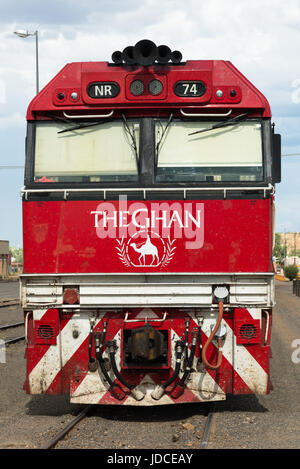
x=103, y=369
x=189, y=365
x=90, y=343
x=186, y=338
x=176, y=370
x=116, y=371
x=220, y=352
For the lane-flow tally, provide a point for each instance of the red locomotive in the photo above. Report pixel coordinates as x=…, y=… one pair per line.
x=148, y=218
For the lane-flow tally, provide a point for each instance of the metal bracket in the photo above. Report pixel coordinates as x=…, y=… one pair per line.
x=146, y=319
x=205, y=114
x=88, y=116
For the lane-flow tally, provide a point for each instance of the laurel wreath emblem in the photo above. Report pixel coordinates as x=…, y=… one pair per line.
x=169, y=253
x=122, y=253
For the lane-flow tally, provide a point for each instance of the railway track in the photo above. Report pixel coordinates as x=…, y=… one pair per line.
x=60, y=435
x=12, y=340
x=50, y=444
x=8, y=326
x=9, y=302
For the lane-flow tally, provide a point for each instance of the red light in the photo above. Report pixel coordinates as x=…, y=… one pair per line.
x=71, y=296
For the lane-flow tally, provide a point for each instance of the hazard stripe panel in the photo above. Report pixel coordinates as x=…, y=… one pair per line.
x=63, y=368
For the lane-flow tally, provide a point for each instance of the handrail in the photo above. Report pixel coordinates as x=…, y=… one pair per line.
x=88, y=116
x=267, y=326
x=26, y=326
x=269, y=187
x=186, y=114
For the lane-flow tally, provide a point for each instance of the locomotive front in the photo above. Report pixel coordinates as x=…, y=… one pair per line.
x=148, y=228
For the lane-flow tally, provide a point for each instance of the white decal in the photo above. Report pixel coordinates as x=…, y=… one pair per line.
x=146, y=234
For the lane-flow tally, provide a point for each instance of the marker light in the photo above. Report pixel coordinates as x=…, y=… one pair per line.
x=155, y=87
x=137, y=87
x=70, y=296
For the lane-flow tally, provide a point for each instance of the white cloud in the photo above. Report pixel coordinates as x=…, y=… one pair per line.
x=13, y=120
x=261, y=38
x=2, y=91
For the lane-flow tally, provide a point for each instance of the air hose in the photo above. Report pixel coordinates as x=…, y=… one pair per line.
x=138, y=395
x=186, y=339
x=220, y=343
x=92, y=365
x=115, y=390
x=179, y=388
x=160, y=389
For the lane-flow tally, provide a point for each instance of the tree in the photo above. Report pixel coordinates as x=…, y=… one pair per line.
x=278, y=250
x=17, y=254
x=291, y=271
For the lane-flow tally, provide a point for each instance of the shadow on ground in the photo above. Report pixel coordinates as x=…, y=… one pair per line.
x=60, y=405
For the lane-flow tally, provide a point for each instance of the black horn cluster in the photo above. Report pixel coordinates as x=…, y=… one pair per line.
x=146, y=53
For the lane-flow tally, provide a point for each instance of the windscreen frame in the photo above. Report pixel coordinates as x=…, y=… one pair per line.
x=146, y=161
x=202, y=167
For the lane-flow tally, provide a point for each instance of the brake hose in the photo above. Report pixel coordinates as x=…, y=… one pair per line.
x=111, y=348
x=115, y=390
x=190, y=360
x=186, y=338
x=179, y=388
x=160, y=389
x=220, y=343
x=137, y=394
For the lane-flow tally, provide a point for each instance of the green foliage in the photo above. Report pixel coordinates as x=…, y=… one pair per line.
x=278, y=250
x=16, y=253
x=291, y=271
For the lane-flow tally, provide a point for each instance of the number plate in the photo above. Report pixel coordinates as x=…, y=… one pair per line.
x=106, y=89
x=190, y=89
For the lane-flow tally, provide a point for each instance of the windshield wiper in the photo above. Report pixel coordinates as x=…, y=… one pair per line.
x=83, y=125
x=161, y=138
x=133, y=139
x=232, y=121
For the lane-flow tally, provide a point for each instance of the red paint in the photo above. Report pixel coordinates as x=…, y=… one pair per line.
x=216, y=74
x=60, y=237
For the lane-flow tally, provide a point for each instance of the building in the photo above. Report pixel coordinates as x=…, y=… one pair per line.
x=4, y=258
x=291, y=243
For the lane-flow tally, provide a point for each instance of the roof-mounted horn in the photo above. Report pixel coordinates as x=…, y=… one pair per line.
x=146, y=53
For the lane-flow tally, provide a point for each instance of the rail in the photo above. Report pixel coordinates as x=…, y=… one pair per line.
x=145, y=190
x=12, y=340
x=90, y=409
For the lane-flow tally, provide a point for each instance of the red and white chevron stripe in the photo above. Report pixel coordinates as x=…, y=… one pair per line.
x=63, y=367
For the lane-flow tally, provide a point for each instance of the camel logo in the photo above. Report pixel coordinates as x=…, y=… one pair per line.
x=145, y=249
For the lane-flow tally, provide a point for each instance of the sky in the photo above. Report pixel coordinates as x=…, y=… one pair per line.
x=260, y=37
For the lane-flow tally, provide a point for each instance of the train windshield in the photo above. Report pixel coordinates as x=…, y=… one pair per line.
x=104, y=152
x=206, y=152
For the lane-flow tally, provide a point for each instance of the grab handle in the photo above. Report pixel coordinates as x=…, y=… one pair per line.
x=26, y=326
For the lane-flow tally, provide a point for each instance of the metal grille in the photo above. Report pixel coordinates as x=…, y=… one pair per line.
x=247, y=332
x=45, y=332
